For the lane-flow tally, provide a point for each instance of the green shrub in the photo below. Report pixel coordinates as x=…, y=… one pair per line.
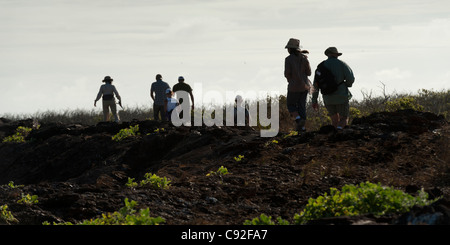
x=127, y=215
x=13, y=186
x=155, y=181
x=239, y=158
x=437, y=102
x=355, y=112
x=5, y=215
x=19, y=136
x=220, y=172
x=357, y=200
x=265, y=220
x=130, y=183
x=291, y=133
x=151, y=180
x=403, y=103
x=28, y=199
x=126, y=132
x=317, y=119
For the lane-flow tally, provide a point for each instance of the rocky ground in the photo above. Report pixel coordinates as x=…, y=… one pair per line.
x=78, y=172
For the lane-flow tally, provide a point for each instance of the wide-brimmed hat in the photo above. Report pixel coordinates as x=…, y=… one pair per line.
x=332, y=50
x=293, y=43
x=107, y=79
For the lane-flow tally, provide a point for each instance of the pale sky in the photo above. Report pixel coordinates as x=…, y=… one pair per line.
x=55, y=53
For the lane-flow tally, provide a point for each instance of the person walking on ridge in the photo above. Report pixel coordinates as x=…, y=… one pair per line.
x=107, y=92
x=337, y=102
x=158, y=95
x=241, y=114
x=182, y=86
x=296, y=70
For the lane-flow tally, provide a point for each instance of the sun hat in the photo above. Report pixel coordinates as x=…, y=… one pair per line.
x=107, y=79
x=332, y=50
x=293, y=43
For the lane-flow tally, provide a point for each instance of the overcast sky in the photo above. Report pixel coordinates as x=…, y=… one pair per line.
x=55, y=53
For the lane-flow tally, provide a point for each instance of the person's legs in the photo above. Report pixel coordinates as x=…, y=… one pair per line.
x=335, y=120
x=291, y=102
x=338, y=114
x=113, y=106
x=105, y=110
x=158, y=110
x=155, y=112
x=296, y=104
x=343, y=112
x=333, y=113
x=163, y=113
x=302, y=111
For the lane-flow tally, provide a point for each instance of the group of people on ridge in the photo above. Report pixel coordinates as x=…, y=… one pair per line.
x=297, y=70
x=160, y=92
x=163, y=101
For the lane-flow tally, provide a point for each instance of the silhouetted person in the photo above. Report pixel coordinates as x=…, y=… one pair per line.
x=107, y=92
x=158, y=94
x=241, y=114
x=182, y=86
x=337, y=103
x=296, y=71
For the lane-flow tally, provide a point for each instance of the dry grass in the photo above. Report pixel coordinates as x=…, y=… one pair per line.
x=428, y=100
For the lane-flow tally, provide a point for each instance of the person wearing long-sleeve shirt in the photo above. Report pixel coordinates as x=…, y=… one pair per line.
x=337, y=103
x=107, y=92
x=296, y=70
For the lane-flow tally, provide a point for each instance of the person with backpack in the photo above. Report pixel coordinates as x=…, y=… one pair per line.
x=296, y=70
x=158, y=94
x=332, y=78
x=107, y=92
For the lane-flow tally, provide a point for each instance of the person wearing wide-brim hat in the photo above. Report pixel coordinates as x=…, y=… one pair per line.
x=332, y=51
x=296, y=70
x=337, y=103
x=107, y=92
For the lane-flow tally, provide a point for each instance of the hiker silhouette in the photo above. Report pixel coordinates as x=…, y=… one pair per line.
x=158, y=95
x=107, y=92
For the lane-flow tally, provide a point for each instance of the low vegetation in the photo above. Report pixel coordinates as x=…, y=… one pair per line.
x=424, y=100
x=365, y=198
x=28, y=199
x=19, y=136
x=6, y=216
x=353, y=200
x=219, y=172
x=152, y=180
x=266, y=220
x=127, y=215
x=126, y=132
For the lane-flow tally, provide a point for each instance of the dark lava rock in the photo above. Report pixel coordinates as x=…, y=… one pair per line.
x=78, y=172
